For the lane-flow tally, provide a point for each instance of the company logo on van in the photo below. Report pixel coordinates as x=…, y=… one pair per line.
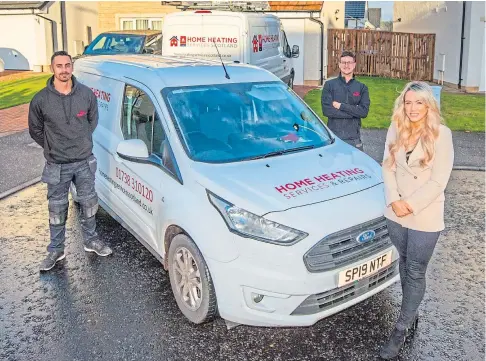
x=260, y=42
x=306, y=186
x=203, y=41
x=174, y=41
x=101, y=95
x=366, y=236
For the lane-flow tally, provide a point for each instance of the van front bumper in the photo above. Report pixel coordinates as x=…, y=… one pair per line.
x=254, y=295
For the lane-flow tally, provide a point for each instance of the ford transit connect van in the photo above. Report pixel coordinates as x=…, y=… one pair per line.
x=258, y=212
x=245, y=37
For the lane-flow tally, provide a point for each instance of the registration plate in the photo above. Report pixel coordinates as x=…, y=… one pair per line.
x=365, y=269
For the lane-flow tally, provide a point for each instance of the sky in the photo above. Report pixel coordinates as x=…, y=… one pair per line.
x=386, y=9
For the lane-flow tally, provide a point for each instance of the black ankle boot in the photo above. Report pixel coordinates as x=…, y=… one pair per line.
x=391, y=349
x=411, y=330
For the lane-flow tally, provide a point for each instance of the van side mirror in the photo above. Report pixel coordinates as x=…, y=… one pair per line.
x=295, y=51
x=134, y=150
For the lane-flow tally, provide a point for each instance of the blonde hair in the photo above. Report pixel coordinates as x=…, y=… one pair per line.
x=428, y=132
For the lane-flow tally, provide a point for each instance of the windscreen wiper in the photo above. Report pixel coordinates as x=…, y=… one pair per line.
x=284, y=151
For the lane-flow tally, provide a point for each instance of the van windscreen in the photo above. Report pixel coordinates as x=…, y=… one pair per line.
x=242, y=121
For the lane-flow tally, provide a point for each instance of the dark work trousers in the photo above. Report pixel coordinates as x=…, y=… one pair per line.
x=355, y=143
x=58, y=178
x=415, y=249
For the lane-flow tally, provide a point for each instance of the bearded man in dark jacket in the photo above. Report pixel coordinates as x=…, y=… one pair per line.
x=62, y=119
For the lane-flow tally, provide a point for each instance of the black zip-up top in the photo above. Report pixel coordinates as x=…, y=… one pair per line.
x=64, y=124
x=355, y=103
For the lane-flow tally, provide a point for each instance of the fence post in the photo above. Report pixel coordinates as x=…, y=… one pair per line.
x=409, y=55
x=432, y=65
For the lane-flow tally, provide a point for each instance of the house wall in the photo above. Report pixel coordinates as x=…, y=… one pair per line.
x=110, y=12
x=332, y=15
x=19, y=47
x=54, y=14
x=444, y=18
x=312, y=46
x=473, y=61
x=306, y=34
x=80, y=15
x=482, y=83
x=26, y=41
x=295, y=31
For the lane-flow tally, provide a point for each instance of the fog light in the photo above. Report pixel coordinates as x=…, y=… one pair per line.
x=257, y=298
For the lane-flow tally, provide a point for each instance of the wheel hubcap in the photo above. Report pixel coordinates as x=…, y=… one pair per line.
x=187, y=279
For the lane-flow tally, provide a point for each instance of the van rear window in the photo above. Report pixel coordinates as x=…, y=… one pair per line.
x=116, y=44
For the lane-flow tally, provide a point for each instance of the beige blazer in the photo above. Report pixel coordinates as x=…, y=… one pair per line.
x=422, y=188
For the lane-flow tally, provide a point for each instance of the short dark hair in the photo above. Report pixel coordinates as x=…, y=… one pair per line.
x=60, y=53
x=348, y=53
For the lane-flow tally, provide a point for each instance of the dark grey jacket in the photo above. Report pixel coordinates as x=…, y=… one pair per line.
x=355, y=103
x=64, y=124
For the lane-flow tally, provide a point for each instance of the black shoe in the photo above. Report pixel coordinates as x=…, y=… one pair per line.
x=411, y=330
x=50, y=261
x=392, y=348
x=98, y=247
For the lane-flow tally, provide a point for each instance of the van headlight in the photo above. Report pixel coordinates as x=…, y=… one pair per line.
x=249, y=225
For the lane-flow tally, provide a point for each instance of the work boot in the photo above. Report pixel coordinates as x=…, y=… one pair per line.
x=99, y=247
x=50, y=261
x=391, y=349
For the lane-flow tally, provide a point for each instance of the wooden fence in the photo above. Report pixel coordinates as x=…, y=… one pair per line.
x=382, y=53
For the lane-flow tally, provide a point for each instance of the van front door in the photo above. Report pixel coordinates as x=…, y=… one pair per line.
x=143, y=181
x=286, y=54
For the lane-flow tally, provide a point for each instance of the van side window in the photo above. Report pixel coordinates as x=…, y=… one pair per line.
x=141, y=121
x=285, y=46
x=138, y=116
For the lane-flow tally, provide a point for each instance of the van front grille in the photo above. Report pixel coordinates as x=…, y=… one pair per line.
x=341, y=248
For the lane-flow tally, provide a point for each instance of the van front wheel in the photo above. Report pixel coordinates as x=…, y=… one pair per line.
x=190, y=280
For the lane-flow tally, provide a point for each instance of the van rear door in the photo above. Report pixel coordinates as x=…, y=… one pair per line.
x=195, y=35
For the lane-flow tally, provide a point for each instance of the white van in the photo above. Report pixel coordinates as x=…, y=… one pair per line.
x=245, y=37
x=258, y=212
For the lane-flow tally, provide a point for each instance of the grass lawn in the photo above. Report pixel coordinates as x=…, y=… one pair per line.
x=16, y=92
x=460, y=111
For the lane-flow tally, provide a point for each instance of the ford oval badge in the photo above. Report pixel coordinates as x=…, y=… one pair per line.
x=366, y=236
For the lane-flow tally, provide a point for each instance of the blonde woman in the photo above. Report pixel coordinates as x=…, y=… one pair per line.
x=417, y=165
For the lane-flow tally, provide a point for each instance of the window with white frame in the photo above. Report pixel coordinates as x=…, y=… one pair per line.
x=141, y=23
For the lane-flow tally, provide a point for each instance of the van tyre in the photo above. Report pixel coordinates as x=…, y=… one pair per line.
x=191, y=281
